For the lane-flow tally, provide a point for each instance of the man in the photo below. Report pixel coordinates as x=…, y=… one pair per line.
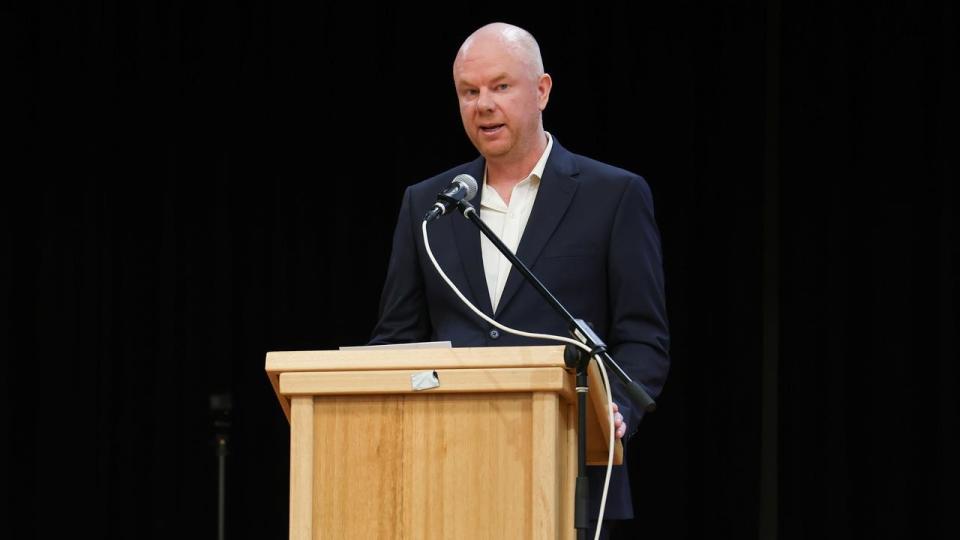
x=584, y=228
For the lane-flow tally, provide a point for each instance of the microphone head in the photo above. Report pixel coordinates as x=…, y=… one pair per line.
x=469, y=183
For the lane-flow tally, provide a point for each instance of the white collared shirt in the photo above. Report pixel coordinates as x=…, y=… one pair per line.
x=508, y=223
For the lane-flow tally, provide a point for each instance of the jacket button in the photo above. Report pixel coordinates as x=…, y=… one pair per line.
x=494, y=333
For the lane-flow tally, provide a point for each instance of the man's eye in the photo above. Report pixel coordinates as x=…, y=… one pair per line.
x=502, y=86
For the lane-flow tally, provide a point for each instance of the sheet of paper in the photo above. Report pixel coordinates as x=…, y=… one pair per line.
x=419, y=345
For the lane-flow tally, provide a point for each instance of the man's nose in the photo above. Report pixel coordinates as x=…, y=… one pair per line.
x=485, y=101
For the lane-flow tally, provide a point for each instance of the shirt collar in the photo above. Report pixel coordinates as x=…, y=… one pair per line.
x=542, y=163
x=534, y=177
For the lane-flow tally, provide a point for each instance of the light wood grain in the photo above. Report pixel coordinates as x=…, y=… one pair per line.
x=301, y=468
x=437, y=466
x=357, y=467
x=399, y=381
x=378, y=359
x=598, y=425
x=410, y=359
x=569, y=474
x=491, y=453
x=546, y=466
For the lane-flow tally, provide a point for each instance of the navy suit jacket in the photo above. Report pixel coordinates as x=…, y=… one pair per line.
x=591, y=240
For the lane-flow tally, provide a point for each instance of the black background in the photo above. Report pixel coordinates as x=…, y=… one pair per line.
x=189, y=185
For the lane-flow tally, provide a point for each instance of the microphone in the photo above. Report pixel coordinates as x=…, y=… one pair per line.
x=462, y=188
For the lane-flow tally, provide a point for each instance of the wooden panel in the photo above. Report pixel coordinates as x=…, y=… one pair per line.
x=280, y=362
x=597, y=410
x=469, y=473
x=568, y=477
x=437, y=466
x=301, y=468
x=451, y=380
x=546, y=466
x=357, y=467
x=379, y=359
x=490, y=454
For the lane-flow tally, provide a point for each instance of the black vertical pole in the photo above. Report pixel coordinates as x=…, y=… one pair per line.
x=220, y=407
x=222, y=486
x=582, y=493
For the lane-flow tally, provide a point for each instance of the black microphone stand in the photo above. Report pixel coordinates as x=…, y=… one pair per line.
x=574, y=358
x=221, y=406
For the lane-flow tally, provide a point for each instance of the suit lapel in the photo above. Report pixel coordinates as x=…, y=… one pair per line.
x=556, y=191
x=467, y=237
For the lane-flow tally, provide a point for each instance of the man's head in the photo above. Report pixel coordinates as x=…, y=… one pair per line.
x=502, y=89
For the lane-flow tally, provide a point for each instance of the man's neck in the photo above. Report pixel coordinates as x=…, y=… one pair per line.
x=504, y=175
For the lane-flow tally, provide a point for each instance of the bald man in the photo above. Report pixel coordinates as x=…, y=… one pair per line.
x=585, y=229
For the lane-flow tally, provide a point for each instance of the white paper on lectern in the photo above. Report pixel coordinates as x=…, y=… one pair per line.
x=418, y=345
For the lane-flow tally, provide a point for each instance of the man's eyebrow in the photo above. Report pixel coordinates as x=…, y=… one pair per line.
x=494, y=80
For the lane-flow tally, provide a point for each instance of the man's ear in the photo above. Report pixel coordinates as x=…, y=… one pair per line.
x=544, y=84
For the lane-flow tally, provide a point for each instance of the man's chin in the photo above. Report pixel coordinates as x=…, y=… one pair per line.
x=493, y=151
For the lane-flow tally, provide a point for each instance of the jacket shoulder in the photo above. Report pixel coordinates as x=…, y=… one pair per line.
x=600, y=175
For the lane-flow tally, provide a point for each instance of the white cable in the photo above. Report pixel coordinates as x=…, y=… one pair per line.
x=606, y=479
x=603, y=370
x=482, y=315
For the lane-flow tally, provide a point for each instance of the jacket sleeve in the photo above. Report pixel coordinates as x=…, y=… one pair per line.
x=403, y=316
x=639, y=337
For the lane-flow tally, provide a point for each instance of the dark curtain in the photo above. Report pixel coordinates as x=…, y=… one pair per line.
x=869, y=414
x=192, y=184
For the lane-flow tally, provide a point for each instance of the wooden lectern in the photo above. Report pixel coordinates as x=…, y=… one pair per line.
x=489, y=453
